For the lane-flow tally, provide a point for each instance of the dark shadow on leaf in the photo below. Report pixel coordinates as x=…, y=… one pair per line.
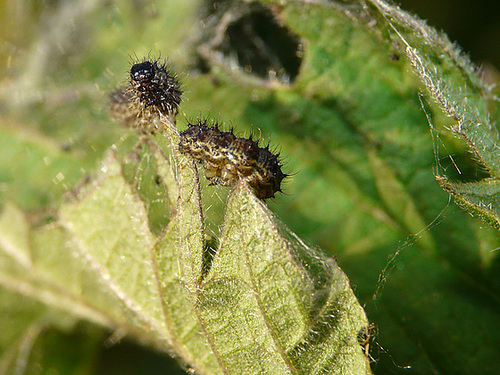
x=251, y=35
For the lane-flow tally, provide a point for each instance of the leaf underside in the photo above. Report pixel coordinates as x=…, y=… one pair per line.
x=267, y=304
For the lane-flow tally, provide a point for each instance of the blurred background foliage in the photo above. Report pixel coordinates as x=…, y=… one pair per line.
x=472, y=24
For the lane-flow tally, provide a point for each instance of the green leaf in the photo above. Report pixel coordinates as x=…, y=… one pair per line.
x=15, y=234
x=352, y=131
x=399, y=203
x=271, y=304
x=43, y=347
x=455, y=84
x=142, y=173
x=35, y=337
x=300, y=302
x=110, y=231
x=34, y=170
x=479, y=197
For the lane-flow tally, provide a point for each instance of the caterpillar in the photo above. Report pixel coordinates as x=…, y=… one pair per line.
x=152, y=90
x=227, y=159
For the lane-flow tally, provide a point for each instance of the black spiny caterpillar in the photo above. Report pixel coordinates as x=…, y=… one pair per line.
x=152, y=90
x=227, y=159
x=155, y=87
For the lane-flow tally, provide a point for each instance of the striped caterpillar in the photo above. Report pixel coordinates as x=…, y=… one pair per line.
x=227, y=159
